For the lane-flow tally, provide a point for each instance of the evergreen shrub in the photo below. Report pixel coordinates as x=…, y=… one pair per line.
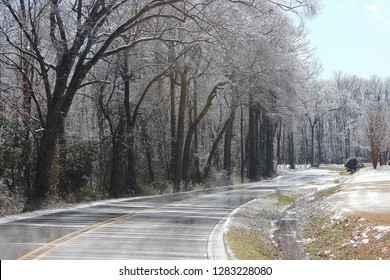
x=353, y=164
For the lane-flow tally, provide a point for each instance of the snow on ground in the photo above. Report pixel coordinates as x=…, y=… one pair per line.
x=367, y=191
x=359, y=218
x=326, y=220
x=382, y=173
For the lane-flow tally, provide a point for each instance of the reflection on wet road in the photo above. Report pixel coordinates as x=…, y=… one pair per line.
x=163, y=227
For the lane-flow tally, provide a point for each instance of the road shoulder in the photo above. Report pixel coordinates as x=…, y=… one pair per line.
x=326, y=219
x=352, y=221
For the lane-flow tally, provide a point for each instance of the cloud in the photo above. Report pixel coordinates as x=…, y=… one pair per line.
x=377, y=16
x=372, y=8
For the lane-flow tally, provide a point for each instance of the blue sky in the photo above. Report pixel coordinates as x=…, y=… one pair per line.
x=352, y=36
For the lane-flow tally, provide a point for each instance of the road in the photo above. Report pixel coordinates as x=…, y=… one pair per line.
x=178, y=226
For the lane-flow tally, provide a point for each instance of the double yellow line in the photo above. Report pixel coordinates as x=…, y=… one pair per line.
x=46, y=249
x=57, y=243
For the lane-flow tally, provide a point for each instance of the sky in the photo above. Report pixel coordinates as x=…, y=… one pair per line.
x=352, y=36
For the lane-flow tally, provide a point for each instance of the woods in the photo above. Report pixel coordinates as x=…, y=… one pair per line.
x=115, y=98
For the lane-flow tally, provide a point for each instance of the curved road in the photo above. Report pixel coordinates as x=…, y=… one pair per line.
x=178, y=226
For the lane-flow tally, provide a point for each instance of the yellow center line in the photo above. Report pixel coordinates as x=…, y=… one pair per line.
x=59, y=242
x=46, y=249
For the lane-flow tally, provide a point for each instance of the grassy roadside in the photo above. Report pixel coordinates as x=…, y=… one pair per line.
x=251, y=244
x=341, y=236
x=251, y=240
x=336, y=168
x=326, y=234
x=363, y=236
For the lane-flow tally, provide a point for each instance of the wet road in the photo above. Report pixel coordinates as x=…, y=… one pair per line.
x=161, y=227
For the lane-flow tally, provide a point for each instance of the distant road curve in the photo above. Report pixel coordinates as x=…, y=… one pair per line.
x=166, y=227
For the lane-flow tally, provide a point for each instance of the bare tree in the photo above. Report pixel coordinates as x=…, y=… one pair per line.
x=78, y=41
x=375, y=129
x=64, y=42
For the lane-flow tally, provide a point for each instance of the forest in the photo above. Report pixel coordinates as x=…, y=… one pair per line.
x=116, y=98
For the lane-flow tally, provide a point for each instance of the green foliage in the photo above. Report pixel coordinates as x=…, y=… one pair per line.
x=16, y=154
x=353, y=164
x=79, y=164
x=7, y=202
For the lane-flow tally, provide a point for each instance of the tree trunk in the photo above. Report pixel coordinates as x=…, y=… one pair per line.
x=279, y=144
x=62, y=150
x=375, y=152
x=45, y=156
x=57, y=109
x=312, y=147
x=197, y=176
x=227, y=151
x=131, y=179
x=386, y=156
x=27, y=77
x=242, y=150
x=178, y=168
x=291, y=152
x=117, y=164
x=374, y=158
x=261, y=157
x=319, y=143
x=214, y=148
x=313, y=124
x=253, y=143
x=229, y=133
x=269, y=169
x=148, y=152
x=193, y=127
x=173, y=125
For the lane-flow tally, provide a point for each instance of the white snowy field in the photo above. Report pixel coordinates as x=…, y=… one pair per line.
x=366, y=191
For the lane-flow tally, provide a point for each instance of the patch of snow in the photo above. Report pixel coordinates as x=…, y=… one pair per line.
x=297, y=167
x=308, y=240
x=383, y=229
x=382, y=173
x=337, y=217
x=379, y=236
x=364, y=192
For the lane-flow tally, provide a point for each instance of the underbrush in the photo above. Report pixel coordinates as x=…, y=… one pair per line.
x=15, y=202
x=86, y=194
x=10, y=202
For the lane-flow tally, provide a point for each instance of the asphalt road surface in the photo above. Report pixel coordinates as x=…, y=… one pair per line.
x=179, y=226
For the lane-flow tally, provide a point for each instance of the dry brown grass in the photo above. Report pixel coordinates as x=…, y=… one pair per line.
x=251, y=244
x=355, y=236
x=284, y=198
x=382, y=219
x=358, y=235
